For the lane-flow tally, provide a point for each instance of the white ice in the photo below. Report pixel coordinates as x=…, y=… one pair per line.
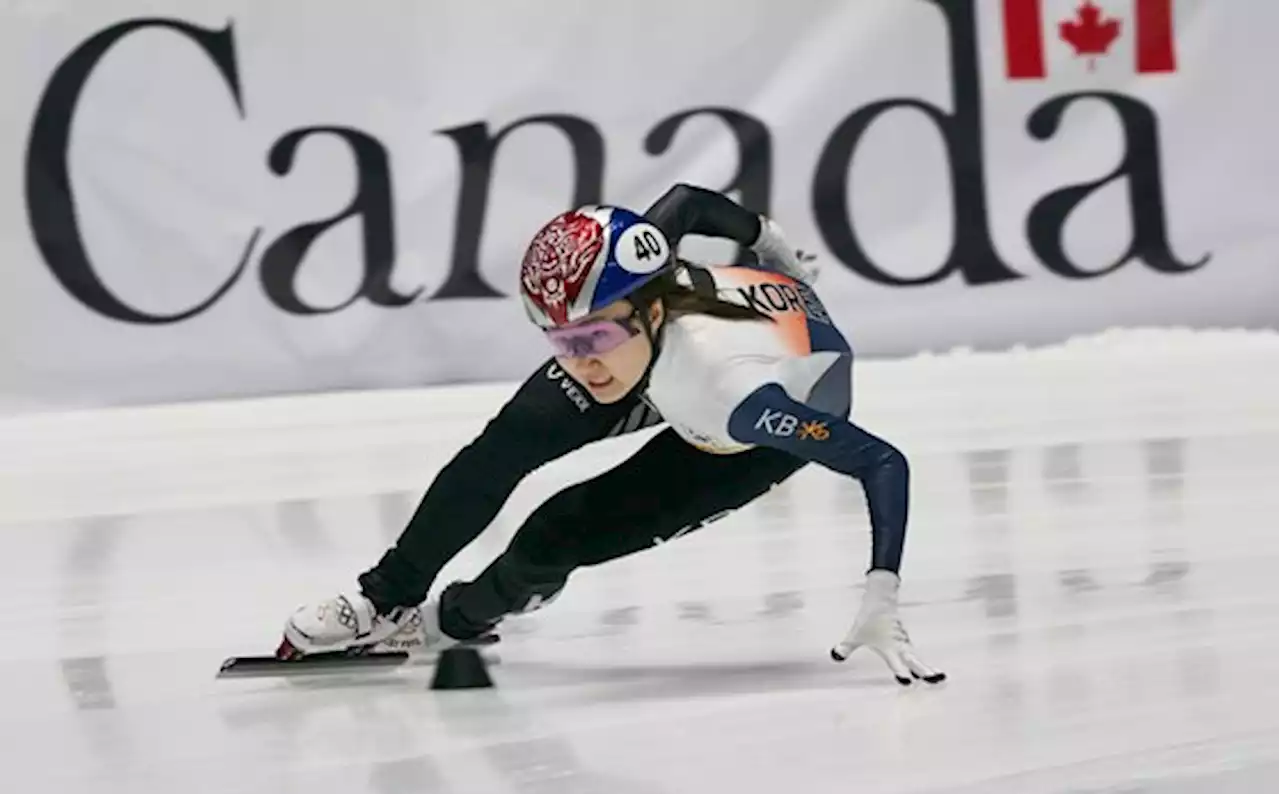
x=1092, y=558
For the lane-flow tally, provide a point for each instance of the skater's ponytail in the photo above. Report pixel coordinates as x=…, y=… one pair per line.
x=678, y=299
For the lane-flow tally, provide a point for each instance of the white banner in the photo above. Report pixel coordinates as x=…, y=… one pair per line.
x=252, y=198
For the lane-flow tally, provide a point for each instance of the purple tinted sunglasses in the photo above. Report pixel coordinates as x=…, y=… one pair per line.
x=594, y=338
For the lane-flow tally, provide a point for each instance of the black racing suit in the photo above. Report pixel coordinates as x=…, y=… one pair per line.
x=668, y=487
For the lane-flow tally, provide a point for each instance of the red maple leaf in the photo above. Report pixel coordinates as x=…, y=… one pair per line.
x=1089, y=33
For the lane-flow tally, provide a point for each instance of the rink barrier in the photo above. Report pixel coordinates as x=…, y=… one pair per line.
x=1120, y=385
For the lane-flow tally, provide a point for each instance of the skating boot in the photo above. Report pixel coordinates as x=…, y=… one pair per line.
x=350, y=622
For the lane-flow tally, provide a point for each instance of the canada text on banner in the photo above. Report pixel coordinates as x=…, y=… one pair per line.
x=247, y=198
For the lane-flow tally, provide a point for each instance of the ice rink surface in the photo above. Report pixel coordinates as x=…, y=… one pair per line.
x=1092, y=558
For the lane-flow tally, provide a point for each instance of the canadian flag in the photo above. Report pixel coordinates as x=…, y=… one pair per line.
x=1089, y=30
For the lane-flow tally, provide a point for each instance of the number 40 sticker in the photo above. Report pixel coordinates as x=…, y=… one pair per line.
x=642, y=249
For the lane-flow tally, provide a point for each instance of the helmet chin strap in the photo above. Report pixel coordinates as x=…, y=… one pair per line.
x=654, y=335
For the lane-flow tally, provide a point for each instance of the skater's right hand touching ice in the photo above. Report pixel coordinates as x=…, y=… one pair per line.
x=879, y=628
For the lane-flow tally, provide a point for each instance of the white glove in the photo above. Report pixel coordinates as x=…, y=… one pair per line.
x=776, y=253
x=878, y=628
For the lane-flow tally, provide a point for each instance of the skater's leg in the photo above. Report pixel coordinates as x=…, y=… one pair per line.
x=667, y=488
x=549, y=415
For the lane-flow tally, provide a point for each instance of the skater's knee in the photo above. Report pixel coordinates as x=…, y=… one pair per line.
x=538, y=564
x=544, y=543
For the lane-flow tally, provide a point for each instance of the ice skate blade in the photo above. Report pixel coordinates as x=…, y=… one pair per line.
x=310, y=664
x=350, y=660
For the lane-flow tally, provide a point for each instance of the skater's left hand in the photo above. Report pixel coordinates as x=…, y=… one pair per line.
x=777, y=254
x=879, y=628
